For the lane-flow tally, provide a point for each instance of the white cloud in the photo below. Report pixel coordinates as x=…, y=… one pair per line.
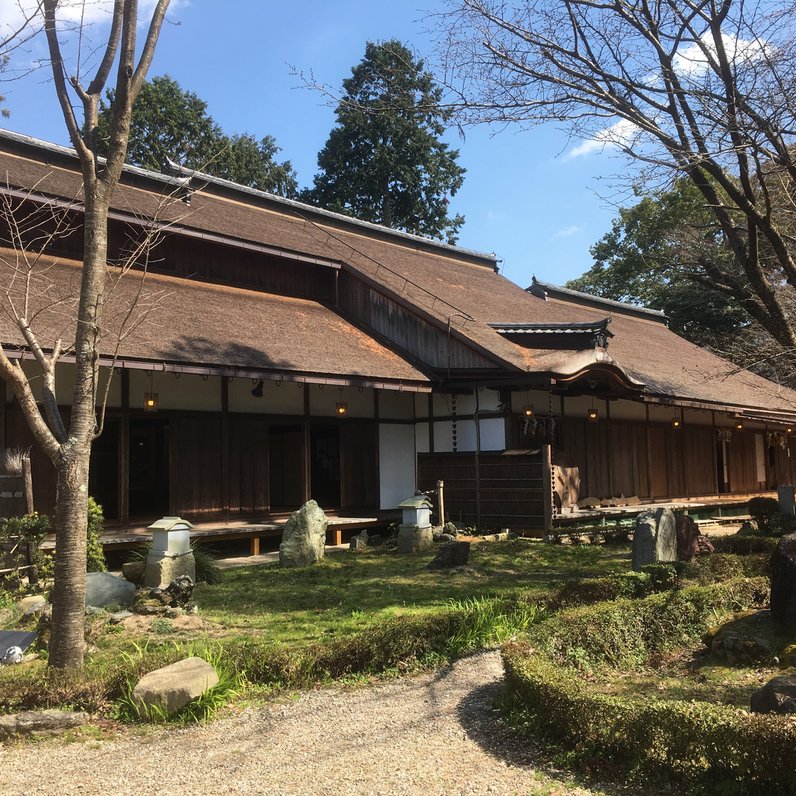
x=566, y=232
x=619, y=134
x=692, y=60
x=13, y=13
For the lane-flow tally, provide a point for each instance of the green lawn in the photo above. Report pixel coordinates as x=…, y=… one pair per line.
x=348, y=591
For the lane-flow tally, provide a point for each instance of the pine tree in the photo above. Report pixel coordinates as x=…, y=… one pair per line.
x=384, y=161
x=169, y=122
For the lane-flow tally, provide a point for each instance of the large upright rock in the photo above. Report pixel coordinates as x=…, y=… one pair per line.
x=783, y=583
x=655, y=538
x=690, y=541
x=304, y=536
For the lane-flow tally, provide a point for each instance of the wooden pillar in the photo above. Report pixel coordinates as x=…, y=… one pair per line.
x=609, y=446
x=686, y=491
x=714, y=447
x=307, y=491
x=650, y=490
x=225, y=449
x=431, y=423
x=27, y=479
x=124, y=450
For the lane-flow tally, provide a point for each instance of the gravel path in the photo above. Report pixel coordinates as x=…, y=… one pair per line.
x=433, y=734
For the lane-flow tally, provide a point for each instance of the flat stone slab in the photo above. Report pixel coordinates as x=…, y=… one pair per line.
x=41, y=722
x=174, y=686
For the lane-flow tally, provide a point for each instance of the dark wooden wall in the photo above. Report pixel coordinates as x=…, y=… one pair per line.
x=511, y=486
x=216, y=262
x=198, y=484
x=422, y=340
x=612, y=459
x=359, y=465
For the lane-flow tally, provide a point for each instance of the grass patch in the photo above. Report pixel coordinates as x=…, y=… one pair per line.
x=351, y=615
x=346, y=594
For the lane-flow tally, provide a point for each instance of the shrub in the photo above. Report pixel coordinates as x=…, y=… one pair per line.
x=720, y=567
x=207, y=569
x=627, y=632
x=718, y=744
x=11, y=460
x=95, y=558
x=691, y=741
x=29, y=530
x=653, y=578
x=765, y=511
x=663, y=576
x=744, y=545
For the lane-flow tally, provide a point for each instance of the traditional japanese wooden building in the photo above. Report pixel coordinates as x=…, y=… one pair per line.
x=278, y=352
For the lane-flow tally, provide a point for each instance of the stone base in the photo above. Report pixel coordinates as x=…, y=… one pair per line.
x=161, y=571
x=412, y=539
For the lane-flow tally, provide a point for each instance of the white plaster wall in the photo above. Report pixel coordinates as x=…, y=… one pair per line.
x=626, y=410
x=539, y=399
x=285, y=399
x=323, y=401
x=760, y=457
x=65, y=383
x=398, y=405
x=697, y=417
x=396, y=464
x=493, y=434
x=443, y=439
x=421, y=437
x=186, y=392
x=488, y=401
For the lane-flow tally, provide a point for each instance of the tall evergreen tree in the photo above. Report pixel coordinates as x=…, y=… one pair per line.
x=384, y=161
x=171, y=123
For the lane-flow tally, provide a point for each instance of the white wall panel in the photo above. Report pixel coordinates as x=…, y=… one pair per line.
x=396, y=464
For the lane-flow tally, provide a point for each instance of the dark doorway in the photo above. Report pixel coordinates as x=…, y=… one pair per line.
x=325, y=465
x=149, y=467
x=286, y=467
x=722, y=466
x=103, y=480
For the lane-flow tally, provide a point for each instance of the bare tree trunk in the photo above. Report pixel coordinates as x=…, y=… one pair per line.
x=69, y=591
x=67, y=640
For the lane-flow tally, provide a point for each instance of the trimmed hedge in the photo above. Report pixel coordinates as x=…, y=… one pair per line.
x=686, y=739
x=744, y=545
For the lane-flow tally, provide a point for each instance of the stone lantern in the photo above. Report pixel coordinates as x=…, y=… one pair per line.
x=170, y=554
x=414, y=533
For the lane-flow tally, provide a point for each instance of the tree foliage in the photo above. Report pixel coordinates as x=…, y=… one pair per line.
x=172, y=124
x=700, y=89
x=385, y=161
x=652, y=257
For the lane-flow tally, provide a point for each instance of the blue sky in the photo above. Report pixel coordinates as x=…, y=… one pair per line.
x=525, y=197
